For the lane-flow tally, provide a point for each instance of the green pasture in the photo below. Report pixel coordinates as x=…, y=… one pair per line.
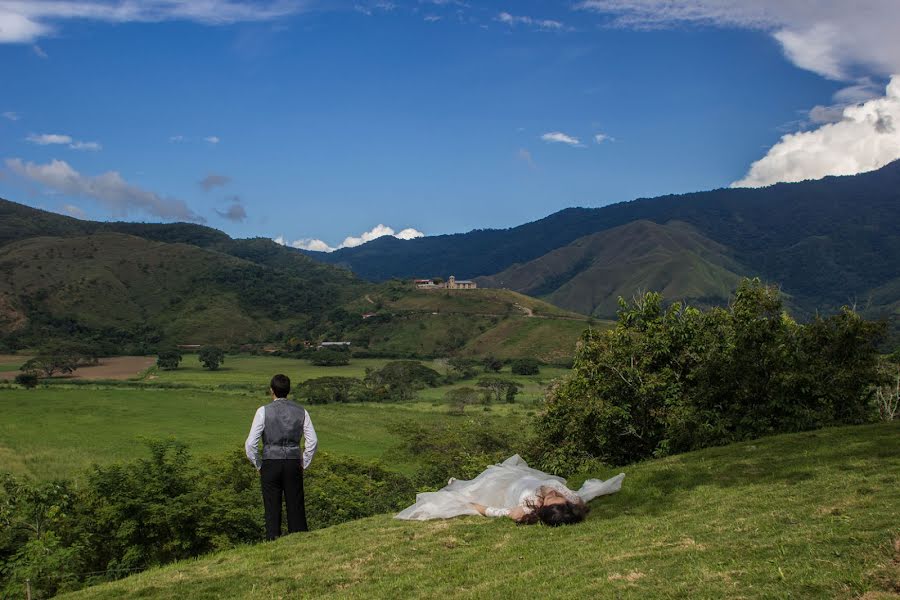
x=811, y=515
x=58, y=430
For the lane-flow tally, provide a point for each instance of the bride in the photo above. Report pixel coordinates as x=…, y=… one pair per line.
x=515, y=490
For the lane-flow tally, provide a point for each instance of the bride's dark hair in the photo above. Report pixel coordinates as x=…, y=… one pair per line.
x=554, y=515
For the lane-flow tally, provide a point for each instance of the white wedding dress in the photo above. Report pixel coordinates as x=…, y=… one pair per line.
x=500, y=487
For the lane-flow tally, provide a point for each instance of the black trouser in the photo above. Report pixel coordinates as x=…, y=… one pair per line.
x=285, y=476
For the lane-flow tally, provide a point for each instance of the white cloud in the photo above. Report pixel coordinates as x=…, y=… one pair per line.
x=834, y=38
x=866, y=138
x=24, y=21
x=212, y=139
x=176, y=138
x=11, y=116
x=55, y=139
x=213, y=181
x=525, y=156
x=558, y=137
x=602, y=137
x=39, y=51
x=235, y=213
x=89, y=146
x=109, y=188
x=541, y=24
x=46, y=139
x=376, y=232
x=73, y=211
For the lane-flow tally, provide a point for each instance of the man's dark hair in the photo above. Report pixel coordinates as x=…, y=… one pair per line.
x=281, y=386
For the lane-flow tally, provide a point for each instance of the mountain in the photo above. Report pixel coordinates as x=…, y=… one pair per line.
x=591, y=273
x=134, y=286
x=827, y=242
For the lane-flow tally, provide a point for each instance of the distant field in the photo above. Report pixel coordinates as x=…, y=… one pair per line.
x=104, y=423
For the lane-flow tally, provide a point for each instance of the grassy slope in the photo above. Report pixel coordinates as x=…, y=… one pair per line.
x=468, y=322
x=589, y=274
x=803, y=516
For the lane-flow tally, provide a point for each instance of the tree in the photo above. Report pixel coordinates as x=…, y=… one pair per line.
x=492, y=364
x=674, y=379
x=330, y=358
x=497, y=388
x=459, y=398
x=48, y=365
x=526, y=366
x=326, y=390
x=168, y=360
x=211, y=357
x=463, y=368
x=27, y=380
x=400, y=379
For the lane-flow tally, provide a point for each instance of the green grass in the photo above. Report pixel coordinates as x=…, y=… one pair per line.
x=105, y=422
x=811, y=515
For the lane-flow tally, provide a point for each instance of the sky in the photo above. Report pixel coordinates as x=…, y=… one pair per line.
x=326, y=124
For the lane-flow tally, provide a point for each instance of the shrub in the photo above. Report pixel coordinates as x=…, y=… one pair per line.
x=459, y=448
x=325, y=390
x=330, y=358
x=27, y=380
x=678, y=379
x=491, y=364
x=526, y=366
x=459, y=398
x=168, y=360
x=211, y=357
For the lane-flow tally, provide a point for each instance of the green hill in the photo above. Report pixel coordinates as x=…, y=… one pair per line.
x=809, y=515
x=403, y=320
x=589, y=274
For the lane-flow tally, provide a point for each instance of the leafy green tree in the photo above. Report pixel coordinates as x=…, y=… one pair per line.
x=50, y=364
x=463, y=368
x=673, y=379
x=211, y=357
x=491, y=364
x=399, y=380
x=27, y=380
x=497, y=388
x=168, y=360
x=459, y=448
x=526, y=366
x=329, y=390
x=459, y=398
x=330, y=358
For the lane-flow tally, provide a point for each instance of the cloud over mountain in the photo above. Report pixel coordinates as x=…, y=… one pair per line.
x=109, y=189
x=376, y=232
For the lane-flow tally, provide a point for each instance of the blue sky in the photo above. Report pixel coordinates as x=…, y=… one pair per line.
x=313, y=122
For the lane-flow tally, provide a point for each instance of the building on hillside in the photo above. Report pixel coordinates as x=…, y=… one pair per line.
x=461, y=284
x=451, y=284
x=335, y=345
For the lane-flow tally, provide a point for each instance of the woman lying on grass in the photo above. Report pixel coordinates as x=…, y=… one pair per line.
x=515, y=490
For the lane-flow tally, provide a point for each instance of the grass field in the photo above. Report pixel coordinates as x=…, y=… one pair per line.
x=810, y=515
x=105, y=422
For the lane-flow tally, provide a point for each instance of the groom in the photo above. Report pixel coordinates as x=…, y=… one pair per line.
x=280, y=424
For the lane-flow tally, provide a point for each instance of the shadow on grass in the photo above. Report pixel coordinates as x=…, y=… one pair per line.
x=657, y=488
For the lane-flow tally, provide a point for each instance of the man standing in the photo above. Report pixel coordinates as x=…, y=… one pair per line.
x=280, y=424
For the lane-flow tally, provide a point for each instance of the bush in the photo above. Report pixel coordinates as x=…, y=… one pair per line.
x=211, y=357
x=491, y=364
x=27, y=380
x=460, y=448
x=399, y=380
x=459, y=398
x=168, y=360
x=325, y=390
x=526, y=366
x=330, y=358
x=677, y=379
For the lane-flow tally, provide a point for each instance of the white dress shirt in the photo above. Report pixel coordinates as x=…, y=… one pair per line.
x=251, y=446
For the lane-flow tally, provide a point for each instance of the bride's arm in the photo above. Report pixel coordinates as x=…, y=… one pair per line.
x=516, y=514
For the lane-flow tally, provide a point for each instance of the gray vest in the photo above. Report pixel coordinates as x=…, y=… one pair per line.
x=283, y=430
